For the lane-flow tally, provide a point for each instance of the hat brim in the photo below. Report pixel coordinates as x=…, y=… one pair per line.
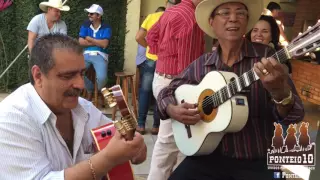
x=44, y=7
x=90, y=11
x=206, y=7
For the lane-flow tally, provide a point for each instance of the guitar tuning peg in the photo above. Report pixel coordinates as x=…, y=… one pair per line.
x=300, y=33
x=309, y=27
x=318, y=20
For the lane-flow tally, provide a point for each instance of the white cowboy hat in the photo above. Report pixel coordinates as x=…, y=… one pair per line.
x=58, y=4
x=206, y=7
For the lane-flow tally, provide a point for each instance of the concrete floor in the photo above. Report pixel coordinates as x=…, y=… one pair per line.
x=141, y=171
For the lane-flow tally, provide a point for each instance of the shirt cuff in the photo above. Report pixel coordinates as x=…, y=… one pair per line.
x=153, y=49
x=296, y=114
x=162, y=106
x=56, y=175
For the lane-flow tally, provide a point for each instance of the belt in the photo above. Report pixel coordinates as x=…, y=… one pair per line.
x=168, y=76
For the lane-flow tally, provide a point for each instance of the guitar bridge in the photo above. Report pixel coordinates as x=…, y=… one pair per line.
x=188, y=131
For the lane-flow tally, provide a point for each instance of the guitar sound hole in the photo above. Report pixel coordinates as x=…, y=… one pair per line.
x=207, y=105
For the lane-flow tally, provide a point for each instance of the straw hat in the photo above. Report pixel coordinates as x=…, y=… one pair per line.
x=206, y=7
x=58, y=4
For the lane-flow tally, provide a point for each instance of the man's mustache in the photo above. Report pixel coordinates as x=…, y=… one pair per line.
x=73, y=92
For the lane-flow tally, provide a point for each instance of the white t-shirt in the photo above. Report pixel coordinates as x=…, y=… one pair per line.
x=39, y=25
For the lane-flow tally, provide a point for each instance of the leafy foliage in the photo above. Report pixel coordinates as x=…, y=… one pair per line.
x=15, y=19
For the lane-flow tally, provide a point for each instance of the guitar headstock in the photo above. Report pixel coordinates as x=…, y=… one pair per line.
x=305, y=42
x=109, y=96
x=128, y=123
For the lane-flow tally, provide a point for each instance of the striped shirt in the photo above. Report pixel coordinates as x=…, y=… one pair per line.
x=31, y=145
x=255, y=138
x=176, y=38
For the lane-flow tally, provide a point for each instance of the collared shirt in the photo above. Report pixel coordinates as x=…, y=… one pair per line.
x=176, y=38
x=102, y=32
x=255, y=138
x=31, y=145
x=141, y=55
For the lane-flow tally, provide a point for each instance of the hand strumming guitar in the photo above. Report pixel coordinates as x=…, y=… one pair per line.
x=119, y=150
x=184, y=113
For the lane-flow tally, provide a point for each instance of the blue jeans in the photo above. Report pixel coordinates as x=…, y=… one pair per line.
x=100, y=66
x=147, y=69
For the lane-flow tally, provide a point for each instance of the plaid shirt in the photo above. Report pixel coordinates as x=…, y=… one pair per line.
x=255, y=138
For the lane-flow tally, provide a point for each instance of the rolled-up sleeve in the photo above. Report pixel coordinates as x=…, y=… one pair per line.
x=22, y=153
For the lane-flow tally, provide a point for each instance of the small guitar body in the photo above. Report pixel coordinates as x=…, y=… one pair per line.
x=203, y=137
x=102, y=135
x=126, y=126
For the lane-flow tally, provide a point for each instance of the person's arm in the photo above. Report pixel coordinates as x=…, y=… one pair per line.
x=33, y=29
x=31, y=40
x=105, y=38
x=292, y=112
x=166, y=97
x=142, y=33
x=64, y=29
x=282, y=31
x=82, y=35
x=141, y=37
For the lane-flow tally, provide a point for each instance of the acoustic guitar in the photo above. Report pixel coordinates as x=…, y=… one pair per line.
x=221, y=107
x=126, y=126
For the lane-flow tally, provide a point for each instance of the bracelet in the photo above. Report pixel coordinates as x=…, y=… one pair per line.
x=92, y=170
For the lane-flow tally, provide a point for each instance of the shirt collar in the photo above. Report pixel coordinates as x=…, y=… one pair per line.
x=42, y=111
x=247, y=51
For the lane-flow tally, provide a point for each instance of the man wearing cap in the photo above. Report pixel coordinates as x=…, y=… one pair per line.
x=95, y=36
x=47, y=22
x=273, y=98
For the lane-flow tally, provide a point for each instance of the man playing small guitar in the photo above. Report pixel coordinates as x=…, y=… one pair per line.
x=45, y=126
x=240, y=155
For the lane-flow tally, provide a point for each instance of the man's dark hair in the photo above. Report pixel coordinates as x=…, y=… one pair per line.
x=160, y=9
x=273, y=6
x=175, y=2
x=42, y=52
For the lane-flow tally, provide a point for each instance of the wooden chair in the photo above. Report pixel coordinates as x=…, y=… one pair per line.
x=127, y=78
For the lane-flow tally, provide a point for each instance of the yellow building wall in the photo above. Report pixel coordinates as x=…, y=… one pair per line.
x=131, y=46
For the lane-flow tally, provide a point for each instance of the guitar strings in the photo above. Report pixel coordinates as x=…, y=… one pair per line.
x=281, y=54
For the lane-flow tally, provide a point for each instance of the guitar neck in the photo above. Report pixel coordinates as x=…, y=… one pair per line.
x=236, y=85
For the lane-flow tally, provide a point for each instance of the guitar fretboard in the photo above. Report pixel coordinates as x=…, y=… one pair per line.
x=236, y=85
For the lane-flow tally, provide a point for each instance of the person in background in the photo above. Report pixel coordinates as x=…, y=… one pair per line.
x=266, y=31
x=146, y=69
x=95, y=36
x=177, y=40
x=273, y=98
x=273, y=9
x=45, y=124
x=47, y=22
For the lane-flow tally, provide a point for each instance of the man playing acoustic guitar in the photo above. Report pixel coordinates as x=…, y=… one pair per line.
x=45, y=126
x=240, y=155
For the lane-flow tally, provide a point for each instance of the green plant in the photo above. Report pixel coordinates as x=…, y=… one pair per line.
x=15, y=19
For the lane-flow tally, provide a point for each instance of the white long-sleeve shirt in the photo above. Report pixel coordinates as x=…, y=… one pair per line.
x=31, y=146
